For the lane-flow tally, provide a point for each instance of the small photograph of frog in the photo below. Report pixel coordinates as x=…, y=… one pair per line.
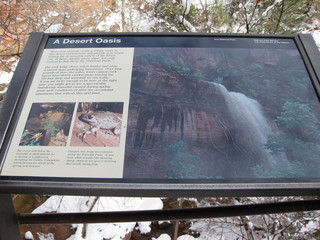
x=48, y=124
x=97, y=124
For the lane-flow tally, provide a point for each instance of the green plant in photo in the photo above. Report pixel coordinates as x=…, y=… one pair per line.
x=52, y=127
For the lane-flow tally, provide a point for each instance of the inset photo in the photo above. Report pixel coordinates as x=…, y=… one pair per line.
x=48, y=124
x=97, y=124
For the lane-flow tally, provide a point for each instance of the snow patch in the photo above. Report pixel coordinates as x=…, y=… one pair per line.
x=28, y=236
x=5, y=77
x=43, y=236
x=165, y=221
x=54, y=28
x=53, y=14
x=311, y=227
x=163, y=236
x=111, y=20
x=186, y=237
x=216, y=229
x=144, y=227
x=147, y=25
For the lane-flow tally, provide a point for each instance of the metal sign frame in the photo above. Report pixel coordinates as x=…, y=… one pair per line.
x=11, y=110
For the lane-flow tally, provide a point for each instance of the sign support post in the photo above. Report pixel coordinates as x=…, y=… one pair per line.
x=9, y=227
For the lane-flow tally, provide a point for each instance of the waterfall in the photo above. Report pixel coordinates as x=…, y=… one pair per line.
x=251, y=124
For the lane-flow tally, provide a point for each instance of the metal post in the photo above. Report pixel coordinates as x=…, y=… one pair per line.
x=9, y=227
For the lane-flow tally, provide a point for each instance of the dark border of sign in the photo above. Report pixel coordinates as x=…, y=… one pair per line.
x=12, y=105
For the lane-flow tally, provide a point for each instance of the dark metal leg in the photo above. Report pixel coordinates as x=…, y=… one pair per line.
x=9, y=227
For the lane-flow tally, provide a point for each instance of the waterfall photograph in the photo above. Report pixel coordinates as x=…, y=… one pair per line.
x=221, y=113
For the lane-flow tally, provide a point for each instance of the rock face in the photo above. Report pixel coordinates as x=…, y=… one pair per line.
x=168, y=106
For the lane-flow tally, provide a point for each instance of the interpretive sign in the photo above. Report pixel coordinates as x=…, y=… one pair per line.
x=171, y=110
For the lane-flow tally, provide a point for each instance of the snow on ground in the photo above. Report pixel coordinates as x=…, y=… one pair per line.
x=165, y=236
x=311, y=227
x=224, y=228
x=186, y=237
x=111, y=20
x=112, y=231
x=55, y=28
x=199, y=3
x=5, y=77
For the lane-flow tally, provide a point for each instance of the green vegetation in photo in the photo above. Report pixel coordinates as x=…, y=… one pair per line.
x=299, y=139
x=180, y=163
x=53, y=127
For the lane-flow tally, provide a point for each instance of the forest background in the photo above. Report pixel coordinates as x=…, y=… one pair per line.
x=18, y=18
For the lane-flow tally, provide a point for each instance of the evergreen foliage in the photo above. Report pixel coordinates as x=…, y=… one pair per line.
x=181, y=164
x=298, y=119
x=299, y=140
x=279, y=170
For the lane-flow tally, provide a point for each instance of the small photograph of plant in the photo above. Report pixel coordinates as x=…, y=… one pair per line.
x=48, y=124
x=32, y=137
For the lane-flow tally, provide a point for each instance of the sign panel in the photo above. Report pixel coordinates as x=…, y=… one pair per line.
x=168, y=108
x=56, y=131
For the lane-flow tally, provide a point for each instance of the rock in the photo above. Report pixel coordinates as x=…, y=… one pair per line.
x=167, y=107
